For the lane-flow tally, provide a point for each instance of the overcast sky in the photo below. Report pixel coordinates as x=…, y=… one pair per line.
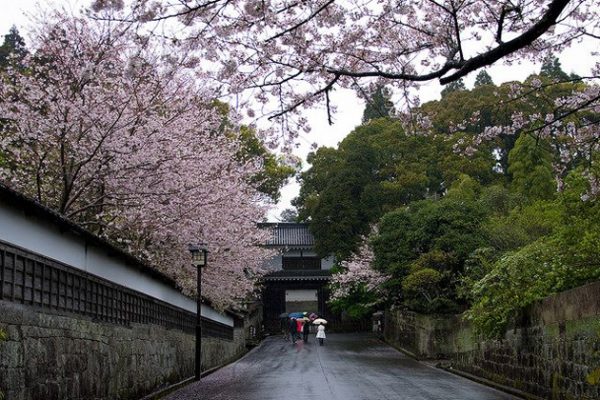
x=350, y=108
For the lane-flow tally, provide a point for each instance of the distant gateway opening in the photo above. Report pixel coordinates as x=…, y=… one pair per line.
x=301, y=300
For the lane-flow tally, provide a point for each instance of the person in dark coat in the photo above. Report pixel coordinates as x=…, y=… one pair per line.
x=305, y=331
x=293, y=329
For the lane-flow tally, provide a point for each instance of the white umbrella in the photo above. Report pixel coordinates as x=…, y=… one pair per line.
x=319, y=321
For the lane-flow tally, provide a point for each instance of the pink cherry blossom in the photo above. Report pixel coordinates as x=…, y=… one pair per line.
x=357, y=271
x=119, y=136
x=292, y=54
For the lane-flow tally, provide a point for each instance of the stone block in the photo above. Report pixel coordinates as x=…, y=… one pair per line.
x=11, y=354
x=12, y=314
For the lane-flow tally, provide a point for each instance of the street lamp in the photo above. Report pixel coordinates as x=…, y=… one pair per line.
x=199, y=253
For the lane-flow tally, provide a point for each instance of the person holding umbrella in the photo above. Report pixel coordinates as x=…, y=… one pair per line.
x=305, y=331
x=283, y=325
x=293, y=329
x=299, y=326
x=320, y=330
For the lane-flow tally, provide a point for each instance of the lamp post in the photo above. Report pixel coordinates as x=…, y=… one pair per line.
x=199, y=253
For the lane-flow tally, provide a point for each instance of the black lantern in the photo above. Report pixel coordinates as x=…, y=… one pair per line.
x=199, y=253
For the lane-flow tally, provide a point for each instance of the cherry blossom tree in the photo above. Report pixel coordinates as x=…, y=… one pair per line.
x=567, y=117
x=297, y=52
x=117, y=134
x=358, y=278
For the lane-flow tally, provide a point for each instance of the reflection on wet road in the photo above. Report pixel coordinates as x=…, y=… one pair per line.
x=348, y=367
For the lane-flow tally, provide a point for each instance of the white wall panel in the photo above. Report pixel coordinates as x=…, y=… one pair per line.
x=43, y=238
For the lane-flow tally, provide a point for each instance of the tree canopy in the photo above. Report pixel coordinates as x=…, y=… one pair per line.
x=271, y=46
x=116, y=135
x=379, y=105
x=465, y=219
x=377, y=168
x=483, y=78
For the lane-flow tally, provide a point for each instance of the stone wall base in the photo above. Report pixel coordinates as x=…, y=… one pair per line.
x=50, y=356
x=552, y=352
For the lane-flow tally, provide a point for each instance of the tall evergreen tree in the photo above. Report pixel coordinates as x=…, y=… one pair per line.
x=552, y=69
x=14, y=45
x=453, y=87
x=379, y=104
x=483, y=78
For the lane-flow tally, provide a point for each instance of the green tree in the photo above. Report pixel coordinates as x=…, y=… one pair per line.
x=430, y=235
x=530, y=165
x=559, y=250
x=379, y=105
x=12, y=47
x=452, y=87
x=470, y=112
x=483, y=78
x=289, y=215
x=377, y=168
x=551, y=68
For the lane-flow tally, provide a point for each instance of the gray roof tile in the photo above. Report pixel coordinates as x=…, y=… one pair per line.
x=289, y=234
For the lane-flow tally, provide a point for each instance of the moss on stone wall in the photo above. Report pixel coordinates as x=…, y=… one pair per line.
x=552, y=351
x=3, y=337
x=593, y=378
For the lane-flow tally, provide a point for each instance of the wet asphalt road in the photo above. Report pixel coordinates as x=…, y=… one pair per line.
x=348, y=367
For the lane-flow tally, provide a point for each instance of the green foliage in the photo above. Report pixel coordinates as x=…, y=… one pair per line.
x=428, y=287
x=487, y=231
x=516, y=280
x=424, y=246
x=275, y=171
x=499, y=200
x=379, y=105
x=530, y=164
x=552, y=69
x=359, y=304
x=377, y=168
x=593, y=378
x=471, y=111
x=559, y=248
x=483, y=78
x=13, y=46
x=454, y=87
x=423, y=282
x=289, y=215
x=522, y=225
x=479, y=263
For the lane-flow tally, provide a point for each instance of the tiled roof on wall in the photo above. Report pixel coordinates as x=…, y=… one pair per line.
x=34, y=208
x=289, y=234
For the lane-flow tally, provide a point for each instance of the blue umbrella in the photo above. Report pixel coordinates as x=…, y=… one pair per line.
x=296, y=315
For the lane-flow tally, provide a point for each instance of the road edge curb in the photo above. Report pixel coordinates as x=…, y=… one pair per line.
x=483, y=381
x=503, y=388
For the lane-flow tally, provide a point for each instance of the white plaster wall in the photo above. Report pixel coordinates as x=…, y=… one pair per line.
x=43, y=238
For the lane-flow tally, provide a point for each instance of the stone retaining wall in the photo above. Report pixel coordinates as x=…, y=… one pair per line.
x=51, y=356
x=553, y=352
